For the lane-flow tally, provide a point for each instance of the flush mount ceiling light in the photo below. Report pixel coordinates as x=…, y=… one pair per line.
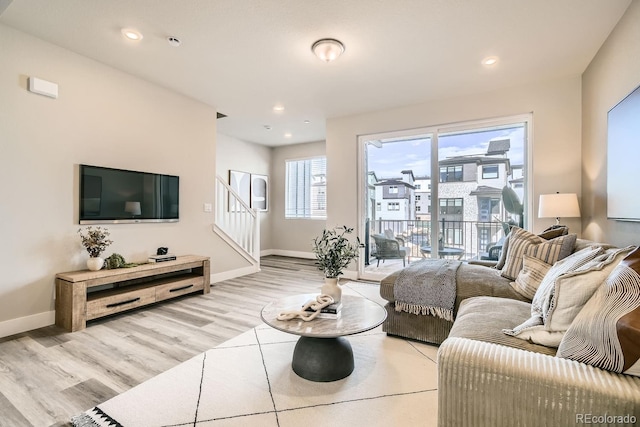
x=490, y=61
x=327, y=49
x=131, y=34
x=278, y=108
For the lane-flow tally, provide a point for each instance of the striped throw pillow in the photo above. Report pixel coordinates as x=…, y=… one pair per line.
x=530, y=277
x=522, y=242
x=606, y=333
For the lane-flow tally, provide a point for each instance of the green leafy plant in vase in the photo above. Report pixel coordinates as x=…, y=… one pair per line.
x=95, y=240
x=334, y=252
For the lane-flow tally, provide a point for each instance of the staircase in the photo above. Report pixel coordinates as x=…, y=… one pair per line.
x=236, y=223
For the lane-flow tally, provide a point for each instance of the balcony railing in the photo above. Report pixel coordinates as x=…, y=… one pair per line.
x=471, y=238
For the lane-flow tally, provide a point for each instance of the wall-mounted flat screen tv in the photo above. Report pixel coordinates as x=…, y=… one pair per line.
x=623, y=152
x=123, y=196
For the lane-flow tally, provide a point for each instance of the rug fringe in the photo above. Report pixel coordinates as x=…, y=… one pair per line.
x=83, y=420
x=94, y=417
x=425, y=310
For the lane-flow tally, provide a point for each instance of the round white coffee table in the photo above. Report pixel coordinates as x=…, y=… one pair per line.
x=322, y=353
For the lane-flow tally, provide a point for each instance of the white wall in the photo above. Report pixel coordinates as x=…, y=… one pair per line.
x=613, y=73
x=102, y=117
x=292, y=236
x=235, y=154
x=556, y=139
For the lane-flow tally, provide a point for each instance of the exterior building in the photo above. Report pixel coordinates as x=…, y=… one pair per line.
x=470, y=208
x=470, y=197
x=395, y=199
x=423, y=198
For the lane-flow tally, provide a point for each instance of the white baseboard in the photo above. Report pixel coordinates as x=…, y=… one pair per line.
x=232, y=274
x=292, y=254
x=27, y=323
x=350, y=274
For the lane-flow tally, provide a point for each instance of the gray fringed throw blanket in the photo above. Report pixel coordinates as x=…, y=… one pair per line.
x=427, y=287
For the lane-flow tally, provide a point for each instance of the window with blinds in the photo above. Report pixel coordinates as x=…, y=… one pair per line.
x=306, y=185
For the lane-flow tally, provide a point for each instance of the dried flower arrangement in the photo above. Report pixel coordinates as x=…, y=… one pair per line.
x=95, y=240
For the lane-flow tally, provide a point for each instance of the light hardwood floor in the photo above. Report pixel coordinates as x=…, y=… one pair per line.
x=48, y=375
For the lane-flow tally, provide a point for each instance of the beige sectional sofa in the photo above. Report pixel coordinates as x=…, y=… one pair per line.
x=489, y=378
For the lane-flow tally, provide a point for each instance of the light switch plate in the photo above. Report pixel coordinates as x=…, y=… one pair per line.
x=208, y=207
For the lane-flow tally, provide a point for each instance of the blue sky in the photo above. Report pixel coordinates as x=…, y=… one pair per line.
x=393, y=157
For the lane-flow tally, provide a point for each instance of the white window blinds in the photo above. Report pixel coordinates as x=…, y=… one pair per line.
x=306, y=184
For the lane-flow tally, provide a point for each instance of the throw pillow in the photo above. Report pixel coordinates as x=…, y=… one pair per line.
x=535, y=329
x=554, y=231
x=549, y=233
x=503, y=253
x=606, y=333
x=522, y=242
x=530, y=277
x=572, y=290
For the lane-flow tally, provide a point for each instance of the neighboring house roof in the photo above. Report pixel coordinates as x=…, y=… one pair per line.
x=485, y=190
x=394, y=182
x=408, y=172
x=498, y=146
x=479, y=160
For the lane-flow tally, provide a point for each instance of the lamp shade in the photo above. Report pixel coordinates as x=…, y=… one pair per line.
x=558, y=205
x=132, y=207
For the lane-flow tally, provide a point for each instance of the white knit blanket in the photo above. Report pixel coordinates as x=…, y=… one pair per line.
x=427, y=287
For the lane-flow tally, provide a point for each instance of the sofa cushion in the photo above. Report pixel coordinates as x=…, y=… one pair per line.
x=606, y=333
x=484, y=318
x=565, y=289
x=522, y=242
x=471, y=280
x=530, y=277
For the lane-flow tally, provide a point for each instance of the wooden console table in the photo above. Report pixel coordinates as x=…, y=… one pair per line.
x=86, y=295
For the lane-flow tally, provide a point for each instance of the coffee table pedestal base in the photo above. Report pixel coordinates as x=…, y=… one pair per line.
x=323, y=359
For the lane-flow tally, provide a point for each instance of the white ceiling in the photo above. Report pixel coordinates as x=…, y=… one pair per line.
x=245, y=56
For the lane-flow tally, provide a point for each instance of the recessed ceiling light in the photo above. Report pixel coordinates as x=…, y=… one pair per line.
x=132, y=34
x=306, y=122
x=278, y=108
x=287, y=135
x=267, y=127
x=490, y=60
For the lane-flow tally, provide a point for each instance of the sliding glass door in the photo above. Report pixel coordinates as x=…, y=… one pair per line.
x=438, y=192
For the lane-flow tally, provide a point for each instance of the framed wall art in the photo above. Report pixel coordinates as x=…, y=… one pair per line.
x=260, y=192
x=240, y=182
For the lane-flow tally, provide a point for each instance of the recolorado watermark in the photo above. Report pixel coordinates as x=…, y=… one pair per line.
x=605, y=419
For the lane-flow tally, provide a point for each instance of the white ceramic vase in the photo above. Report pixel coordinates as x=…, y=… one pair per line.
x=332, y=288
x=95, y=263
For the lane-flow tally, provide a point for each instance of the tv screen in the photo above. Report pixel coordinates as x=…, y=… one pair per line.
x=623, y=152
x=122, y=196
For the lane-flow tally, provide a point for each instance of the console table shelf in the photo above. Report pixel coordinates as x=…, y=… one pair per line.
x=86, y=295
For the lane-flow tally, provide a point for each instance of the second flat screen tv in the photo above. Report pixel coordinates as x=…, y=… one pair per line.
x=123, y=196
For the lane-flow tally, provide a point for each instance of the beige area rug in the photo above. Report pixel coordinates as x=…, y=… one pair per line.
x=248, y=381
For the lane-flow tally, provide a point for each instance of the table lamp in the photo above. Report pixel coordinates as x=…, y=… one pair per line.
x=132, y=208
x=558, y=205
